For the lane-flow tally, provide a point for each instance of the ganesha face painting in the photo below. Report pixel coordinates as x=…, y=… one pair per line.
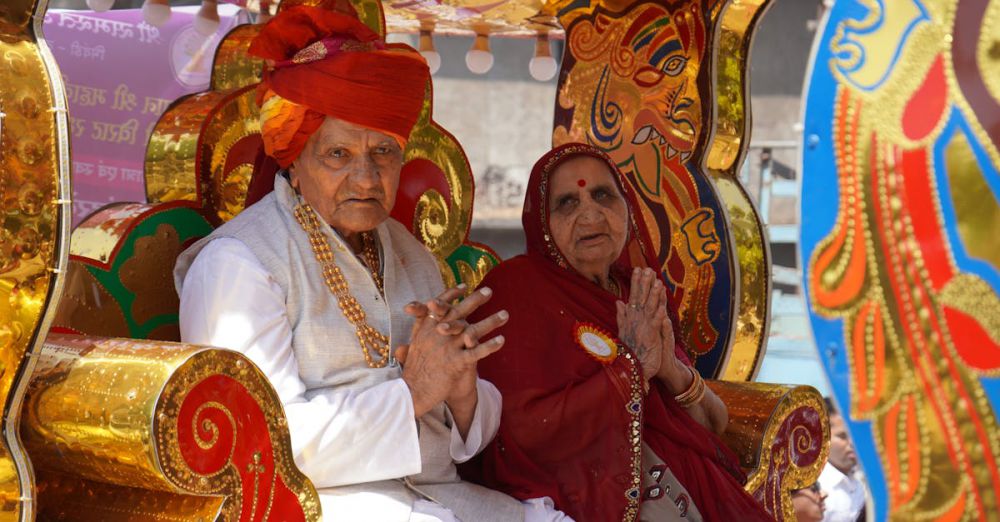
x=632, y=84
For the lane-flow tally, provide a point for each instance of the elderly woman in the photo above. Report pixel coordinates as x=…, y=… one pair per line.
x=316, y=285
x=601, y=411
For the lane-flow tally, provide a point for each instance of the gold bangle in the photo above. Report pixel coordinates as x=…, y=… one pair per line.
x=691, y=389
x=699, y=396
x=695, y=392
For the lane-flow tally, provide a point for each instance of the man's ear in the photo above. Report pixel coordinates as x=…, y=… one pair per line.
x=293, y=177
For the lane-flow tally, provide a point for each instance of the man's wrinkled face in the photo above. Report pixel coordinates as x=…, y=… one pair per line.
x=842, y=454
x=349, y=175
x=587, y=215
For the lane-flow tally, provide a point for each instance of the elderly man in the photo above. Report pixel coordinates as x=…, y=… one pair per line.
x=316, y=284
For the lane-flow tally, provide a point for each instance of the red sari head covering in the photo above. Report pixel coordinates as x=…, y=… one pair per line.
x=326, y=63
x=574, y=410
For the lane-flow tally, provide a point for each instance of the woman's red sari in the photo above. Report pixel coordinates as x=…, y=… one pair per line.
x=573, y=419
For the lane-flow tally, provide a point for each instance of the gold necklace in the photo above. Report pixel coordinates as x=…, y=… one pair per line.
x=614, y=287
x=370, y=253
x=369, y=338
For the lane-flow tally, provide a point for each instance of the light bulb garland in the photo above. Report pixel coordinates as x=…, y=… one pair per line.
x=479, y=59
x=543, y=66
x=427, y=50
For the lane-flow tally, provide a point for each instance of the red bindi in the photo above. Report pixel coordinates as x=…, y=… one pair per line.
x=581, y=183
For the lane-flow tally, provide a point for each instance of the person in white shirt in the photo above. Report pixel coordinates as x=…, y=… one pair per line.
x=840, y=479
x=338, y=304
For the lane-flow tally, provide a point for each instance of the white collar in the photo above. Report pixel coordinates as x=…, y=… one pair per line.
x=831, y=477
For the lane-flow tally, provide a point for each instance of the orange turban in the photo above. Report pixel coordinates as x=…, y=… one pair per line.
x=331, y=64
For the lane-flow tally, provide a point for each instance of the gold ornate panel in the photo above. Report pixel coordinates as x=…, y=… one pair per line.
x=34, y=188
x=232, y=68
x=435, y=201
x=727, y=146
x=227, y=149
x=66, y=497
x=171, y=155
x=203, y=147
x=191, y=424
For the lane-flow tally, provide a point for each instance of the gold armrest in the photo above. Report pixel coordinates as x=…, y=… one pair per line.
x=153, y=426
x=782, y=436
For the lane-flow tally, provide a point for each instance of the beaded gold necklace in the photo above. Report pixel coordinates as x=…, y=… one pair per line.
x=370, y=253
x=369, y=338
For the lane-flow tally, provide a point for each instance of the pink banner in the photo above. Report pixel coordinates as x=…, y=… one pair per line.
x=121, y=74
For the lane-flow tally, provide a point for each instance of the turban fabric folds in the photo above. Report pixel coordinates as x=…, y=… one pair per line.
x=331, y=64
x=285, y=127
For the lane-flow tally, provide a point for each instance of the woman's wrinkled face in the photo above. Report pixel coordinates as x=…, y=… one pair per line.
x=349, y=175
x=587, y=215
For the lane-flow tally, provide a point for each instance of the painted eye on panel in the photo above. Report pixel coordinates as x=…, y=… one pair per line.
x=674, y=65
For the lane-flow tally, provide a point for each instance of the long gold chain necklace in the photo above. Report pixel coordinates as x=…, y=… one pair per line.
x=370, y=253
x=369, y=338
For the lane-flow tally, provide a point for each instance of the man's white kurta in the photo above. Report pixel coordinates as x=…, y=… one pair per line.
x=229, y=300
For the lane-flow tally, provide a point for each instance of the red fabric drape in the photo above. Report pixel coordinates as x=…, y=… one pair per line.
x=566, y=430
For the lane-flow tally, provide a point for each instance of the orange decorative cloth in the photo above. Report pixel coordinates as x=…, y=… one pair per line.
x=330, y=64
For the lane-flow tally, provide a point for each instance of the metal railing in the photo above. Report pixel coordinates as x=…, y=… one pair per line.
x=769, y=174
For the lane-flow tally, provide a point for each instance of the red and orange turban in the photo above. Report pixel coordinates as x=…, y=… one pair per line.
x=330, y=64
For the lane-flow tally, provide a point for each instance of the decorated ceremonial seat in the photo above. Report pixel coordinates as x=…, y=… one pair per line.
x=204, y=165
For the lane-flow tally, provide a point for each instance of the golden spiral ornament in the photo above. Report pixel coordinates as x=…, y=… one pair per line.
x=802, y=439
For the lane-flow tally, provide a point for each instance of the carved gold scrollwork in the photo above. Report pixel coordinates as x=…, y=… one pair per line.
x=228, y=145
x=441, y=224
x=442, y=221
x=431, y=222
